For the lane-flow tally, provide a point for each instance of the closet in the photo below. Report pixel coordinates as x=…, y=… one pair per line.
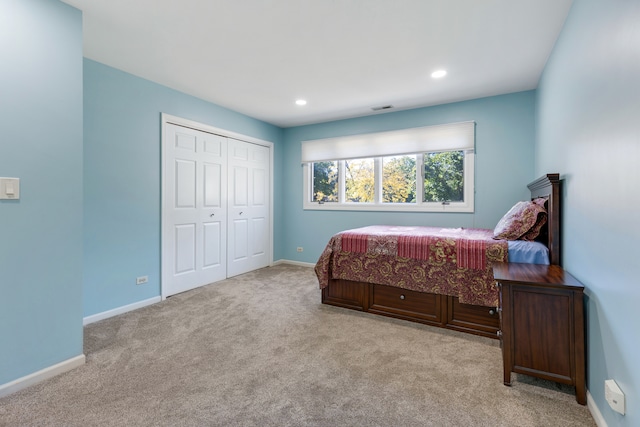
x=215, y=206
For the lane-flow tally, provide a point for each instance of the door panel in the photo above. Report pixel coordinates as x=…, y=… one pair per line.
x=240, y=151
x=185, y=253
x=185, y=190
x=240, y=192
x=259, y=236
x=185, y=141
x=214, y=146
x=249, y=232
x=213, y=250
x=194, y=230
x=212, y=185
x=259, y=195
x=241, y=240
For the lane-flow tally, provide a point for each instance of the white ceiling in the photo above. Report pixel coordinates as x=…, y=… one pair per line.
x=343, y=56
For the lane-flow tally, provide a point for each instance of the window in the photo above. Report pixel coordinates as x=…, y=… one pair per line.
x=444, y=176
x=421, y=169
x=399, y=179
x=325, y=181
x=359, y=181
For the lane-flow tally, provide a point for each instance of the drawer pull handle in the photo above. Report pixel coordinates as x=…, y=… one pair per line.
x=499, y=334
x=492, y=312
x=401, y=296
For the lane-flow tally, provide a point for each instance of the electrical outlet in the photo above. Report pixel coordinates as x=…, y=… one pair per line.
x=614, y=396
x=142, y=280
x=299, y=249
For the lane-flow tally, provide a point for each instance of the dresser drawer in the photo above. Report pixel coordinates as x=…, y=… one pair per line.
x=402, y=302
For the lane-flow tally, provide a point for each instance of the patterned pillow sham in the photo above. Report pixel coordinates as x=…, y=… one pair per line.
x=520, y=219
x=540, y=201
x=542, y=220
x=535, y=230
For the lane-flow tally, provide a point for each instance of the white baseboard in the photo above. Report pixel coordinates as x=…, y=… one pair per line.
x=120, y=310
x=300, y=263
x=41, y=375
x=595, y=412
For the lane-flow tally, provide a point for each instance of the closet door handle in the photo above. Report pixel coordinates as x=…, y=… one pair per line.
x=212, y=215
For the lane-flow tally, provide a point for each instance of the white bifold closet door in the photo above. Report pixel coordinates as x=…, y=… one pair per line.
x=216, y=208
x=194, y=209
x=248, y=211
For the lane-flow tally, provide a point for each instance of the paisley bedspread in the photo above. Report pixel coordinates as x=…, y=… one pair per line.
x=449, y=261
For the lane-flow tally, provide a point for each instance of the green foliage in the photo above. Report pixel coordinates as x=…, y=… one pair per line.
x=444, y=176
x=360, y=181
x=325, y=181
x=399, y=179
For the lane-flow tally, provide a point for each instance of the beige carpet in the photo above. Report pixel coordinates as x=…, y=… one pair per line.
x=260, y=350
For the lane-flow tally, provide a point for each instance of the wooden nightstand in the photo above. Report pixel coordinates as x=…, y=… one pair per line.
x=542, y=324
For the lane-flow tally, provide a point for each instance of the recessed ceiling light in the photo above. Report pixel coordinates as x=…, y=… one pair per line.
x=301, y=102
x=439, y=73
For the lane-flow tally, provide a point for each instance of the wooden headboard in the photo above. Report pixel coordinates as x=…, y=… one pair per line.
x=549, y=187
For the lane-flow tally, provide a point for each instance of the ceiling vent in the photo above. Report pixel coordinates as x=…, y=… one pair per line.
x=384, y=107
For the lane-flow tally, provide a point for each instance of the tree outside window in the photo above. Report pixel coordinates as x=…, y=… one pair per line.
x=444, y=176
x=325, y=181
x=433, y=181
x=399, y=179
x=359, y=180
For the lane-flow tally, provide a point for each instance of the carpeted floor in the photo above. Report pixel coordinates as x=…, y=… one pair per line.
x=260, y=350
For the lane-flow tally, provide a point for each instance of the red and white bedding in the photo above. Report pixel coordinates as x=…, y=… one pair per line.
x=449, y=261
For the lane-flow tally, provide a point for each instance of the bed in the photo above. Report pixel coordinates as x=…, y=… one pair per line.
x=437, y=276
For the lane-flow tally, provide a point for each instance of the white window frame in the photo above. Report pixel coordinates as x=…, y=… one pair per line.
x=419, y=206
x=415, y=141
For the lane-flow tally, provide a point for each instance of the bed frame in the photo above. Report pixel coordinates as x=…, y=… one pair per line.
x=443, y=310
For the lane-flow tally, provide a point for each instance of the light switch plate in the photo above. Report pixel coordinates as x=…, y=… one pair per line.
x=9, y=188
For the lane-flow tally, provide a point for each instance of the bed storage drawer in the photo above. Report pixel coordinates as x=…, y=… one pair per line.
x=472, y=318
x=402, y=303
x=431, y=309
x=343, y=293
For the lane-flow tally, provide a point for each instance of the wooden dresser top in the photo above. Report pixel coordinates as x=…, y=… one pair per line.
x=549, y=275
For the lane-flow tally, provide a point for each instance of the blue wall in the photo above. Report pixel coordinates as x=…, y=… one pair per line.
x=41, y=143
x=504, y=166
x=122, y=179
x=588, y=128
x=584, y=117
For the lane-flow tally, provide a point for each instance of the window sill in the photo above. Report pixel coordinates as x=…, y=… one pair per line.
x=370, y=207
